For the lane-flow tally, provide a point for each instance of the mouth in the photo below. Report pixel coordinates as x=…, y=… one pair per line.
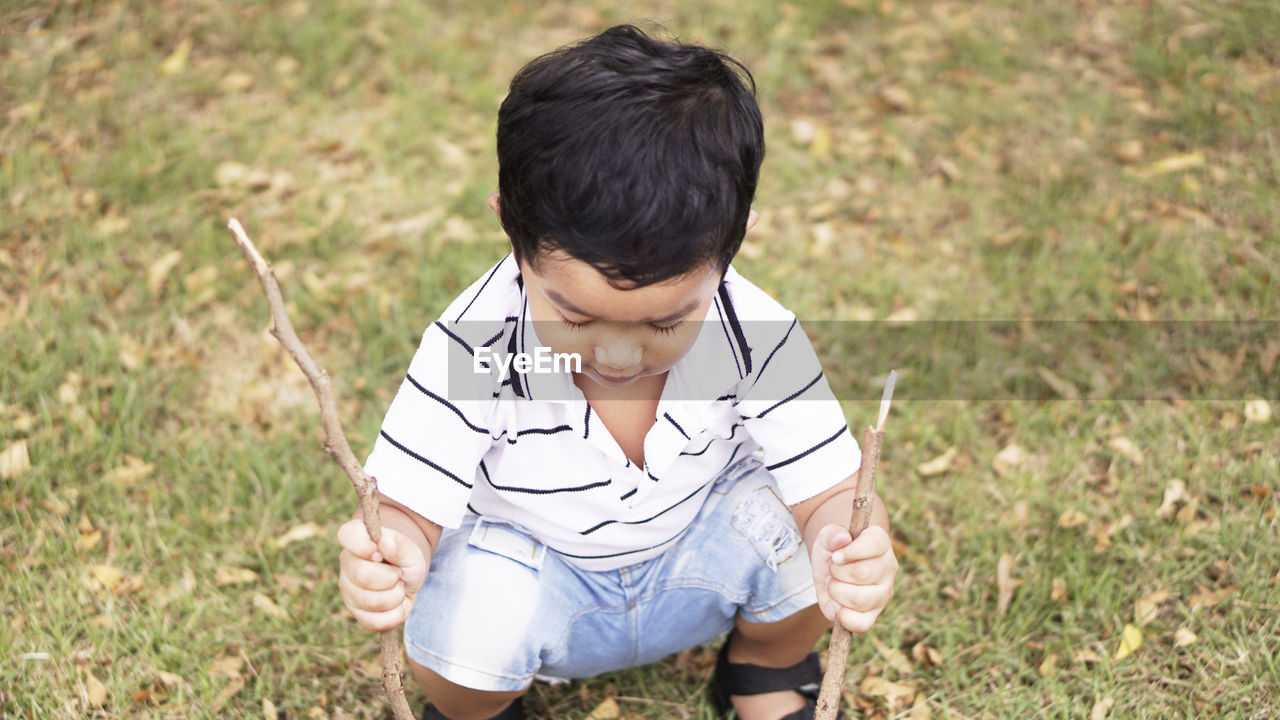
x=614, y=380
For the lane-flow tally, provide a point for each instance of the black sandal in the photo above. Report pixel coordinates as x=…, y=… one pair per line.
x=514, y=711
x=805, y=677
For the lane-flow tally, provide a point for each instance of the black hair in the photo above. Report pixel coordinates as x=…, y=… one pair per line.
x=635, y=155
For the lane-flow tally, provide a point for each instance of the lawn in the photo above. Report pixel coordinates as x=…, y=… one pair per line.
x=1089, y=527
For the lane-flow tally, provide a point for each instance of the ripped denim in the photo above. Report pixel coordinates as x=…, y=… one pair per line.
x=498, y=607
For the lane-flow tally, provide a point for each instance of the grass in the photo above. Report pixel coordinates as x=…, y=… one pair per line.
x=1018, y=178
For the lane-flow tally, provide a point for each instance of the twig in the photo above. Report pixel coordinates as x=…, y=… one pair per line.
x=838, y=648
x=335, y=443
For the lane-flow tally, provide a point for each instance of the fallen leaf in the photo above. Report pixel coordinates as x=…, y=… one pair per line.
x=1130, y=151
x=1072, y=518
x=1101, y=708
x=226, y=693
x=228, y=665
x=1102, y=533
x=1065, y=389
x=112, y=225
x=1130, y=641
x=902, y=316
x=305, y=531
x=1087, y=656
x=269, y=606
x=1004, y=583
x=895, y=97
x=177, y=60
x=926, y=655
x=1173, y=494
x=1210, y=598
x=1146, y=608
x=1268, y=355
x=158, y=271
x=95, y=691
x=169, y=680
x=938, y=465
x=233, y=576
x=896, y=695
x=1048, y=666
x=920, y=708
x=1008, y=460
x=895, y=658
x=1257, y=411
x=1183, y=637
x=88, y=540
x=1171, y=164
x=269, y=710
x=14, y=460
x=1059, y=591
x=1125, y=447
x=109, y=576
x=236, y=82
x=133, y=470
x=607, y=710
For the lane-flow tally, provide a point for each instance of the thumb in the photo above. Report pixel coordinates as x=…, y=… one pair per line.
x=398, y=550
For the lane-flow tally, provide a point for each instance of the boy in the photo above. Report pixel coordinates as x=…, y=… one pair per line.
x=692, y=475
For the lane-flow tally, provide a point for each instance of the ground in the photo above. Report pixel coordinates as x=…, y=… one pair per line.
x=1087, y=528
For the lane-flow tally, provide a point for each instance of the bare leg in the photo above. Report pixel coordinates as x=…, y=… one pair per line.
x=777, y=645
x=458, y=702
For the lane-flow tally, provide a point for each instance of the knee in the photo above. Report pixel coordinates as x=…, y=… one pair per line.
x=457, y=702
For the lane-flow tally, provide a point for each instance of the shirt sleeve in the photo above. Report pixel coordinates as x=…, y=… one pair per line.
x=789, y=409
x=431, y=440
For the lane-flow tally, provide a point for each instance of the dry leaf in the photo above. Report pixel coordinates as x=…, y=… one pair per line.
x=1173, y=494
x=1060, y=385
x=896, y=695
x=304, y=531
x=1268, y=355
x=1130, y=151
x=1183, y=637
x=1171, y=164
x=233, y=576
x=926, y=655
x=1147, y=607
x=920, y=708
x=177, y=60
x=269, y=606
x=112, y=225
x=269, y=710
x=895, y=97
x=1059, y=591
x=228, y=665
x=1257, y=411
x=1210, y=598
x=607, y=710
x=88, y=540
x=938, y=465
x=1008, y=460
x=1048, y=666
x=95, y=691
x=236, y=82
x=133, y=470
x=893, y=656
x=1008, y=237
x=1130, y=641
x=169, y=680
x=902, y=316
x=1087, y=656
x=1125, y=447
x=1072, y=518
x=158, y=271
x=14, y=460
x=1004, y=583
x=1102, y=533
x=109, y=576
x=1101, y=708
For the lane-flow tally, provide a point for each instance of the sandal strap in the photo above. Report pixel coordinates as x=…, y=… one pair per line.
x=748, y=679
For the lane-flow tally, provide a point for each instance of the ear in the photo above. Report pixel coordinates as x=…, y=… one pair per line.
x=494, y=204
x=753, y=217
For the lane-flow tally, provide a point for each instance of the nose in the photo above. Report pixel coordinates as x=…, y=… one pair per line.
x=616, y=352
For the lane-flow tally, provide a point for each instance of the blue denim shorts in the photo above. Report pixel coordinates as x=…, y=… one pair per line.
x=498, y=607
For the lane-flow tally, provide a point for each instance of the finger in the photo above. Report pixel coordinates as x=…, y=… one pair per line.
x=354, y=537
x=857, y=622
x=358, y=598
x=834, y=537
x=862, y=598
x=380, y=621
x=864, y=572
x=370, y=575
x=870, y=543
x=400, y=550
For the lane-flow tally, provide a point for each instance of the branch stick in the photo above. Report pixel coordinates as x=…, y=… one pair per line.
x=335, y=443
x=860, y=518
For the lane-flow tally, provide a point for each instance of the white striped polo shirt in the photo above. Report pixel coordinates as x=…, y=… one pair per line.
x=528, y=449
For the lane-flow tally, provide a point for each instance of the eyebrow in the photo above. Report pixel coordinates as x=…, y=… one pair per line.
x=559, y=299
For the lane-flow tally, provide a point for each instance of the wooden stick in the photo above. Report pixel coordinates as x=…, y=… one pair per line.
x=335, y=443
x=860, y=518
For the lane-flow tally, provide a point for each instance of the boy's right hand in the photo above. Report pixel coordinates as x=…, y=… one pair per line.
x=378, y=583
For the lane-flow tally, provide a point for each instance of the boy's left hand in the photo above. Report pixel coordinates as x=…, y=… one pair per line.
x=854, y=578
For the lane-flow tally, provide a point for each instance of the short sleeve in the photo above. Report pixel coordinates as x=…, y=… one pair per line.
x=788, y=408
x=430, y=443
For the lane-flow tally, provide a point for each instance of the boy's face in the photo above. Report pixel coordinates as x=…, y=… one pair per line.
x=621, y=335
